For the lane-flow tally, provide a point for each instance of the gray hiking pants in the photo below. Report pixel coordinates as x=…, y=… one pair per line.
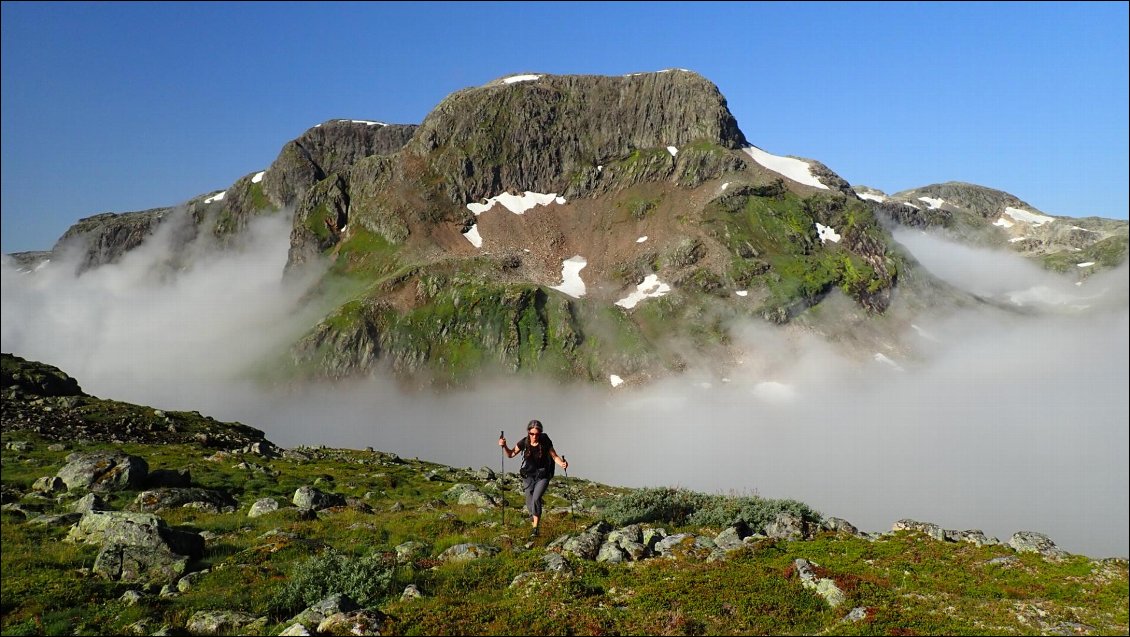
x=535, y=489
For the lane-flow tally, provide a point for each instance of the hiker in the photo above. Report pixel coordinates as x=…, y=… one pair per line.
x=538, y=457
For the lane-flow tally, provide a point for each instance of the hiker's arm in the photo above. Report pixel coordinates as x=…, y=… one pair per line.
x=510, y=453
x=561, y=462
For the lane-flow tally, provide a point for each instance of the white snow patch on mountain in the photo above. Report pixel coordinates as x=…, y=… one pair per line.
x=650, y=288
x=473, y=236
x=572, y=284
x=1027, y=216
x=518, y=204
x=827, y=234
x=795, y=169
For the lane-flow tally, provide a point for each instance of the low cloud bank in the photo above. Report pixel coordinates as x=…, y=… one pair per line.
x=1000, y=421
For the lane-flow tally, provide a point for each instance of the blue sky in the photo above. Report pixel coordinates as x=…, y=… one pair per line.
x=120, y=107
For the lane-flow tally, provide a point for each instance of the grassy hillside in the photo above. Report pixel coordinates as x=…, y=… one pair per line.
x=420, y=548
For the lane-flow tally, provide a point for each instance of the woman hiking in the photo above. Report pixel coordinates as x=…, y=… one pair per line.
x=538, y=458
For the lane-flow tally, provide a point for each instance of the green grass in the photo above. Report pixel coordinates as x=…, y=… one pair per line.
x=906, y=582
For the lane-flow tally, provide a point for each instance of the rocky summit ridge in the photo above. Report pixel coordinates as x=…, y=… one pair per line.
x=575, y=226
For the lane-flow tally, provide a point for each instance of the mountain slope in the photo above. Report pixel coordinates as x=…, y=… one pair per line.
x=983, y=216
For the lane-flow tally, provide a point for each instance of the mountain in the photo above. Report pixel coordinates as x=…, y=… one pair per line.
x=983, y=216
x=121, y=519
x=591, y=228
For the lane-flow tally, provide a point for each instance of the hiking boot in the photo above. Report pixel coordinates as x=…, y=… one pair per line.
x=534, y=532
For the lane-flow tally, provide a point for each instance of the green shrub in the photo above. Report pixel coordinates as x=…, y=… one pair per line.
x=653, y=505
x=757, y=512
x=680, y=506
x=366, y=580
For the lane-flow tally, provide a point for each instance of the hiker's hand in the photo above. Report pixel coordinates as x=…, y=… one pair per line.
x=564, y=463
x=502, y=442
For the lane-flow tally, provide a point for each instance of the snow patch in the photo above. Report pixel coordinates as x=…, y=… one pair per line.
x=258, y=177
x=473, y=236
x=1004, y=223
x=867, y=195
x=674, y=151
x=367, y=122
x=520, y=78
x=827, y=234
x=883, y=359
x=742, y=292
x=1027, y=216
x=642, y=239
x=907, y=203
x=725, y=186
x=1015, y=239
x=216, y=197
x=1085, y=265
x=651, y=287
x=933, y=203
x=795, y=169
x=518, y=204
x=571, y=277
x=615, y=380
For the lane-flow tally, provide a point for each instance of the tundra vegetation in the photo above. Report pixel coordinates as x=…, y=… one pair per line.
x=343, y=540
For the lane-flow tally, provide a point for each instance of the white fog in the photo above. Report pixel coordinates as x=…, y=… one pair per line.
x=1005, y=422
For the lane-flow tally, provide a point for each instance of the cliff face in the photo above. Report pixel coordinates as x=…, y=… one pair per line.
x=328, y=148
x=104, y=238
x=548, y=133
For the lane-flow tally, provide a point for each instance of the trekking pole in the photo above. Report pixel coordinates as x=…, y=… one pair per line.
x=567, y=492
x=502, y=478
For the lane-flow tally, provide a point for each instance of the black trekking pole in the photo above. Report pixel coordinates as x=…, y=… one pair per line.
x=502, y=480
x=567, y=491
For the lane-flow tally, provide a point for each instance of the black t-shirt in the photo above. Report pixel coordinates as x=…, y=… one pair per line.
x=536, y=459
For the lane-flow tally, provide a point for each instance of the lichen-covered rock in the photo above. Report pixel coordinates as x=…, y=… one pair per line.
x=467, y=552
x=104, y=471
x=1033, y=542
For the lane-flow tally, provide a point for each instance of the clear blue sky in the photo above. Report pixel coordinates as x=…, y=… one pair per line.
x=120, y=107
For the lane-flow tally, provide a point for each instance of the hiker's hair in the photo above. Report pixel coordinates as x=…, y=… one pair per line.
x=530, y=450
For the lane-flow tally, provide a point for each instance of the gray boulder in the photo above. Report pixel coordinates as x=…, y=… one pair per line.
x=1033, y=542
x=173, y=497
x=125, y=563
x=788, y=526
x=307, y=497
x=263, y=507
x=89, y=502
x=337, y=603
x=143, y=530
x=219, y=622
x=467, y=552
x=104, y=471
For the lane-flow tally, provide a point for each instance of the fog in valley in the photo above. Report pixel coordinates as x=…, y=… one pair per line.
x=994, y=420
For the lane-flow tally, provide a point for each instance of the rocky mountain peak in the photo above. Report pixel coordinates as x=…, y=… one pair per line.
x=544, y=132
x=328, y=148
x=987, y=202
